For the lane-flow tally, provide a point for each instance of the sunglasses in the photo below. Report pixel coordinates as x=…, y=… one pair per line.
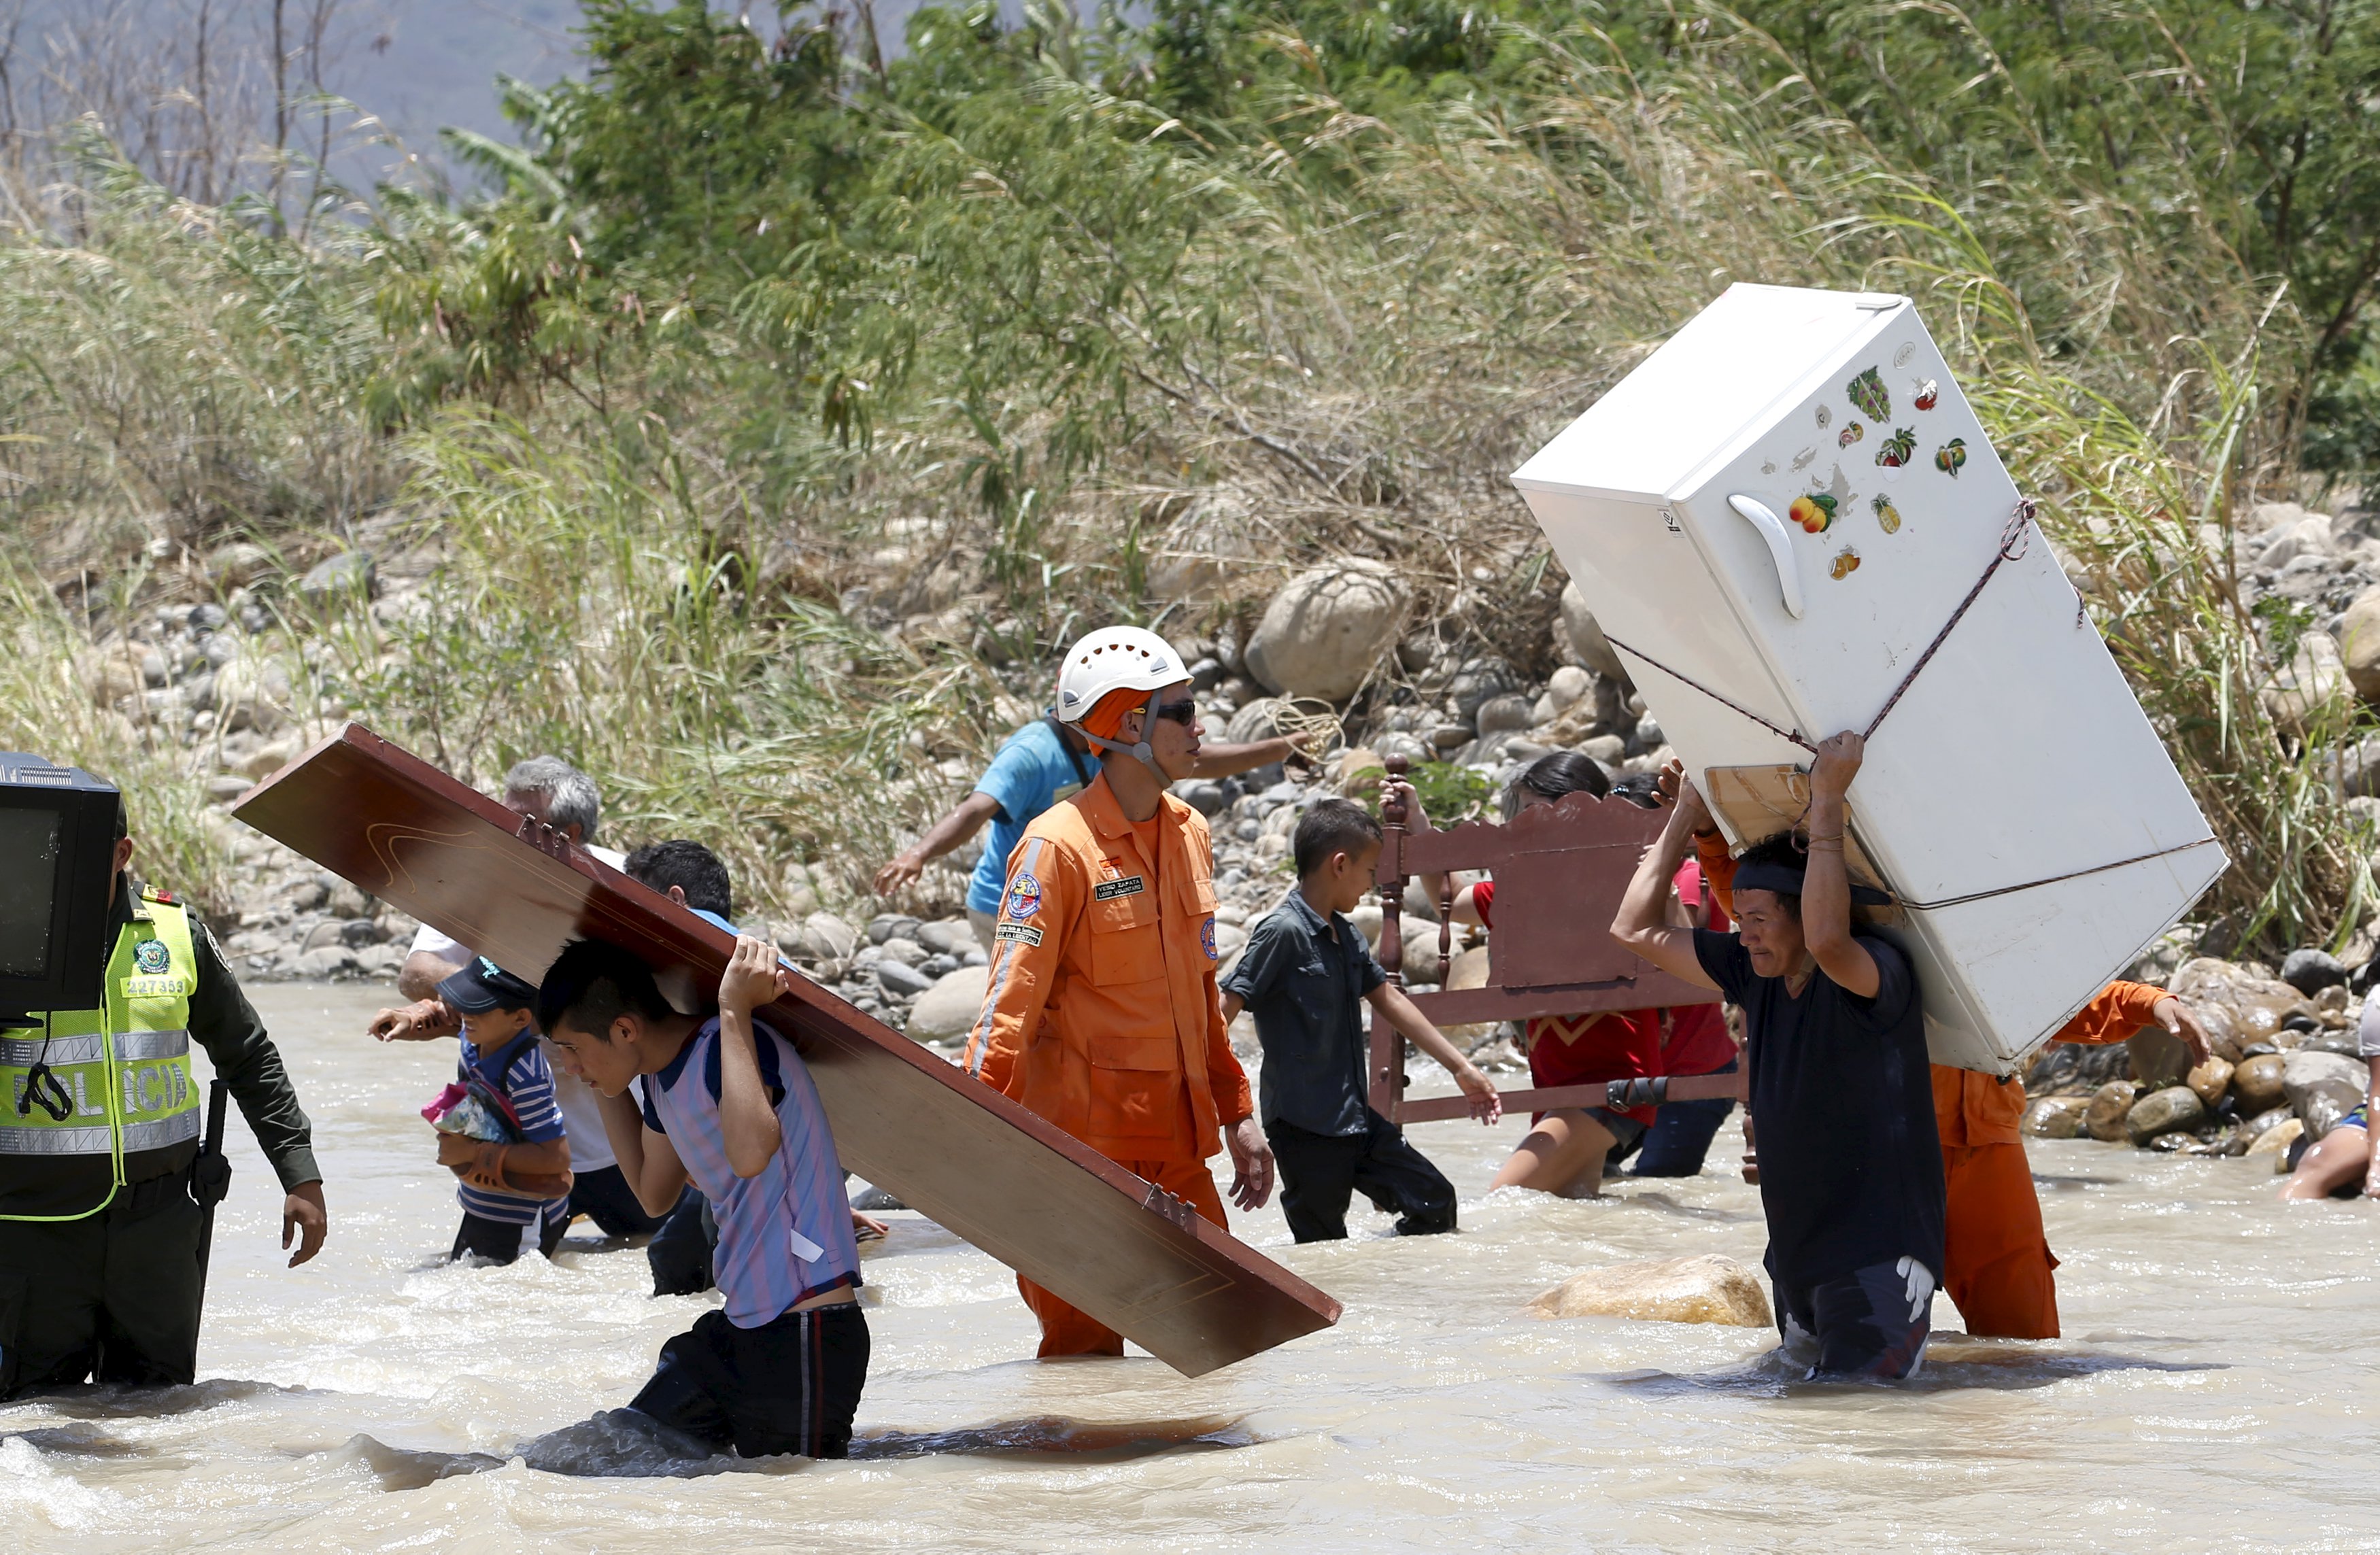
x=1183, y=712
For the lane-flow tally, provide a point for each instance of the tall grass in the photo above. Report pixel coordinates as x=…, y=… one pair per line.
x=52, y=685
x=584, y=610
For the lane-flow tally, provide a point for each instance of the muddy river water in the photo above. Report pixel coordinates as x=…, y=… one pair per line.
x=2219, y=1385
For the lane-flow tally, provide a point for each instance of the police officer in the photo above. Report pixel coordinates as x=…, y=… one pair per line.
x=100, y=1127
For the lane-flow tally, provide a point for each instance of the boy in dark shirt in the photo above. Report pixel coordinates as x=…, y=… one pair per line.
x=1302, y=975
x=1850, y=1167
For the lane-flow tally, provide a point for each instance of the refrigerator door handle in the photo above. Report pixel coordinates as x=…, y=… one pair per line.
x=1781, y=548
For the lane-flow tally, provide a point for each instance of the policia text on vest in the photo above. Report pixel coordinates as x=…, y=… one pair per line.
x=100, y=1123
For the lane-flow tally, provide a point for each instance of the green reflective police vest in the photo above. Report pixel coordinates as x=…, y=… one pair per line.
x=123, y=1071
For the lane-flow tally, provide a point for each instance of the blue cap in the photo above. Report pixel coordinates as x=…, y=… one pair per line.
x=482, y=986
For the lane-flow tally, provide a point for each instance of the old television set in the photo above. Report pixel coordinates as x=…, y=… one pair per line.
x=57, y=842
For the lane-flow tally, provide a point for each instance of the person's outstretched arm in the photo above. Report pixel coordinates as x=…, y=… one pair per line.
x=1827, y=886
x=1644, y=923
x=1229, y=760
x=1392, y=1005
x=962, y=822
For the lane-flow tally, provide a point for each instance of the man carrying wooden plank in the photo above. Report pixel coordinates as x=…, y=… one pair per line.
x=1102, y=1014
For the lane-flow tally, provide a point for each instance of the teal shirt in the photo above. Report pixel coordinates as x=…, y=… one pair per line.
x=1033, y=771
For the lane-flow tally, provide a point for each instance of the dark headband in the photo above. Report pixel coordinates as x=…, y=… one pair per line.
x=1785, y=881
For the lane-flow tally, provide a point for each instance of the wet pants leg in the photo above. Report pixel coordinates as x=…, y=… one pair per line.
x=680, y=1252
x=112, y=1297
x=1066, y=1330
x=1996, y=1261
x=1321, y=1172
x=1871, y=1323
x=790, y=1385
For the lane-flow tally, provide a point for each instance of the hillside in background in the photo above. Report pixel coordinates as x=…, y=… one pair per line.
x=783, y=401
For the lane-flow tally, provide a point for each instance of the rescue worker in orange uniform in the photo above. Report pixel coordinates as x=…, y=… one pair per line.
x=1997, y=1262
x=1101, y=1013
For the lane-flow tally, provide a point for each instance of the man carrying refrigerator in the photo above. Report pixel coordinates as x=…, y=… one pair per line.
x=1850, y=1167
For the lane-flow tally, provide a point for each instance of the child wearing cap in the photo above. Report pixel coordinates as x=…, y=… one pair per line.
x=728, y=1104
x=515, y=1186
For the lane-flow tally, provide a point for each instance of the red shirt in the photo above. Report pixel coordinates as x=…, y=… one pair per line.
x=1697, y=1042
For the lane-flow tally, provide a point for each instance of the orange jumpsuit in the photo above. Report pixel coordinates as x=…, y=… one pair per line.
x=1101, y=1013
x=1996, y=1255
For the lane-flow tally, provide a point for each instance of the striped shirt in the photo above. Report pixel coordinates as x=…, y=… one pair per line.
x=518, y=1071
x=784, y=1234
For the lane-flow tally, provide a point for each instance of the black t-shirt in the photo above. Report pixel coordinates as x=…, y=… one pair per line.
x=1851, y=1166
x=1305, y=980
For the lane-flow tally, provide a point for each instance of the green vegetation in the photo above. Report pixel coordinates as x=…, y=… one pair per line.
x=1268, y=279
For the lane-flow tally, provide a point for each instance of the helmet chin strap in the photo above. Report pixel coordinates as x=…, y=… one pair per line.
x=1146, y=754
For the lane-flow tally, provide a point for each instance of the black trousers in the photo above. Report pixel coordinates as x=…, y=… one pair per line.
x=680, y=1252
x=1320, y=1174
x=603, y=1197
x=109, y=1298
x=501, y=1241
x=790, y=1385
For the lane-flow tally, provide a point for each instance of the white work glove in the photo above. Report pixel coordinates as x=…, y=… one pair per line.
x=1920, y=1288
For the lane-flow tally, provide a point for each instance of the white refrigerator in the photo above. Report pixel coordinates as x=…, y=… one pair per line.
x=1781, y=508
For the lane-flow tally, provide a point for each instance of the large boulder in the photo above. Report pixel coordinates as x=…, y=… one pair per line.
x=2322, y=1088
x=350, y=573
x=2359, y=645
x=1708, y=1288
x=828, y=938
x=2310, y=971
x=2315, y=678
x=1581, y=642
x=2308, y=534
x=2160, y=1058
x=943, y=1012
x=1322, y=634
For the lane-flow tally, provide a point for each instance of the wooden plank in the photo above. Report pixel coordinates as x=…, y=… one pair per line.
x=1034, y=1197
x=1561, y=870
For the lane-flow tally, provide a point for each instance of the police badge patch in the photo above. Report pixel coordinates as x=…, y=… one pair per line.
x=1207, y=938
x=1023, y=897
x=150, y=956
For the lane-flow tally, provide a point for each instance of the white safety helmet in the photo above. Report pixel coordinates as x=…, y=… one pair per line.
x=1118, y=658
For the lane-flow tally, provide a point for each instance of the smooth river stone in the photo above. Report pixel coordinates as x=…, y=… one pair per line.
x=2164, y=1111
x=1708, y=1288
x=2056, y=1117
x=2211, y=1079
x=2257, y=1083
x=2103, y=1119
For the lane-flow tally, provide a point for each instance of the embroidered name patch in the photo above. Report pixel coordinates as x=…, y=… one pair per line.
x=1023, y=897
x=1107, y=891
x=1028, y=933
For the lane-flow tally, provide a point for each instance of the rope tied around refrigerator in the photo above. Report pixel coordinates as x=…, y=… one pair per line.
x=2015, y=540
